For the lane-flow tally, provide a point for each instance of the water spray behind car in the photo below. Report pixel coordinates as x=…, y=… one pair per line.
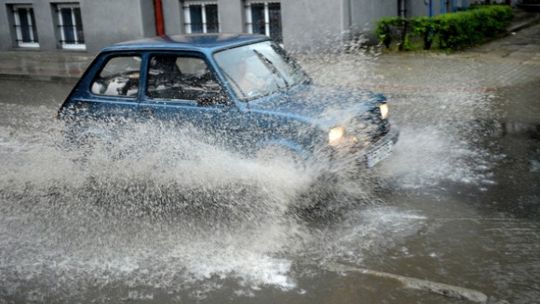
x=142, y=201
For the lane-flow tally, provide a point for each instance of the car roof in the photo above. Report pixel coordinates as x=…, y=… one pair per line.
x=198, y=42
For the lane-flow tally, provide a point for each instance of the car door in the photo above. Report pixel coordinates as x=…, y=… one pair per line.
x=110, y=87
x=181, y=87
x=108, y=94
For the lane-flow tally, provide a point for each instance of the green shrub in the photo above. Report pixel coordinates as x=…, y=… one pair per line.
x=425, y=29
x=450, y=31
x=385, y=29
x=467, y=28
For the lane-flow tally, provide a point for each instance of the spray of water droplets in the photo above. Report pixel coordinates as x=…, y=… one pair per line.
x=157, y=209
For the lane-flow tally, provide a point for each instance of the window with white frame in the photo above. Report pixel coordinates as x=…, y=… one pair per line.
x=24, y=23
x=201, y=17
x=70, y=27
x=264, y=17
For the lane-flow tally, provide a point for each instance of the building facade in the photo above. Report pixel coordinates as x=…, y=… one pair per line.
x=89, y=25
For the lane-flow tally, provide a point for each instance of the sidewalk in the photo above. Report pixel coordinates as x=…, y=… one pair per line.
x=43, y=66
x=57, y=66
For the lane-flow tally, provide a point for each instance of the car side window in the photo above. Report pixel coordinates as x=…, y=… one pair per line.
x=182, y=77
x=119, y=77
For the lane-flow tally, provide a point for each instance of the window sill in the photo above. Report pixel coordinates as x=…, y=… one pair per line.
x=28, y=45
x=75, y=47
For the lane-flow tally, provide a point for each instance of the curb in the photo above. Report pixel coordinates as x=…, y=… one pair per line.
x=525, y=24
x=51, y=78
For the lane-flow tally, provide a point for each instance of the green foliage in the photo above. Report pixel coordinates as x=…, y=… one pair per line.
x=452, y=31
x=384, y=29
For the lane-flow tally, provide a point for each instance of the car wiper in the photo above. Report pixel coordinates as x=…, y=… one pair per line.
x=272, y=67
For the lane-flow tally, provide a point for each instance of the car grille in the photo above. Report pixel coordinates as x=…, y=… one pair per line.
x=370, y=126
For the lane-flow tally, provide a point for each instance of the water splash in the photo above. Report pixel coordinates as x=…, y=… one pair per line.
x=160, y=210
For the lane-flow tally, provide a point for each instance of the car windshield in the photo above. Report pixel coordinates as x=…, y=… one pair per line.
x=259, y=69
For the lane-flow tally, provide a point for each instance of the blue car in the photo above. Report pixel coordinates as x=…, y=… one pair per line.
x=243, y=89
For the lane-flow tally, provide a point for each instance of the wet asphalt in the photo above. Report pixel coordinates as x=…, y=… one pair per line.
x=457, y=204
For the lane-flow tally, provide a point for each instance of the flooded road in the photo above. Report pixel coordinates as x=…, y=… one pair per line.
x=451, y=217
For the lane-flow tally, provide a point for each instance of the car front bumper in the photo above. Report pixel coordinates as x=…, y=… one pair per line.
x=381, y=149
x=363, y=157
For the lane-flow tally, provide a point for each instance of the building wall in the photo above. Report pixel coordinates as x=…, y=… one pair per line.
x=174, y=19
x=231, y=16
x=312, y=24
x=104, y=22
x=5, y=33
x=417, y=8
x=45, y=24
x=364, y=13
x=306, y=24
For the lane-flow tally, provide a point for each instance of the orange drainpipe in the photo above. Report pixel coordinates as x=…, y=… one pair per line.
x=158, y=12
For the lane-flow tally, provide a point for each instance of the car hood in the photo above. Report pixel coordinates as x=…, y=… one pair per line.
x=325, y=106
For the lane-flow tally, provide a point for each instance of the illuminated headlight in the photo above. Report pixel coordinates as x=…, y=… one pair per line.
x=384, y=110
x=336, y=135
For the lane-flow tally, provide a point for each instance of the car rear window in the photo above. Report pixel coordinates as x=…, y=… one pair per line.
x=119, y=77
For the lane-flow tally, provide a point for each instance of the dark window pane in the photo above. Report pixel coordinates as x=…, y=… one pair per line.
x=185, y=78
x=66, y=16
x=25, y=27
x=212, y=23
x=69, y=33
x=34, y=31
x=195, y=12
x=274, y=12
x=78, y=24
x=257, y=18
